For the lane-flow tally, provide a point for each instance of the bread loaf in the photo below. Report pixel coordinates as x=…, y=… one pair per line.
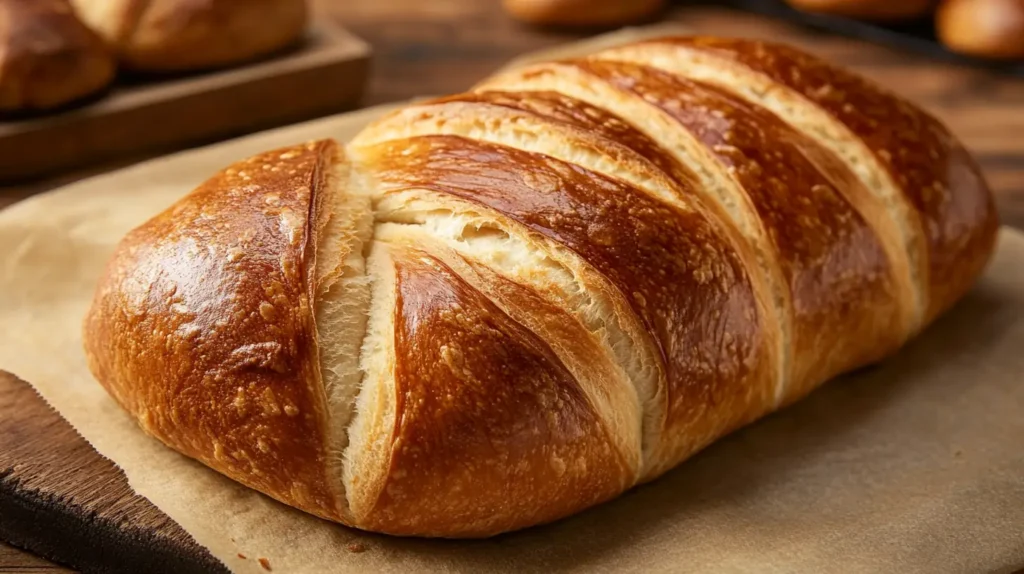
x=983, y=28
x=496, y=309
x=47, y=56
x=186, y=35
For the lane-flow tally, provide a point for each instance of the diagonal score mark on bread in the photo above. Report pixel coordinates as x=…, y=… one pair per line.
x=599, y=393
x=628, y=237
x=582, y=288
x=710, y=183
x=496, y=309
x=554, y=272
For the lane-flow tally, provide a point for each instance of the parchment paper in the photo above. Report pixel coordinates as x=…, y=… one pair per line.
x=914, y=466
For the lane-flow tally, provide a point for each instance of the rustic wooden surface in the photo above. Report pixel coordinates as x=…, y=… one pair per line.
x=58, y=495
x=444, y=46
x=329, y=69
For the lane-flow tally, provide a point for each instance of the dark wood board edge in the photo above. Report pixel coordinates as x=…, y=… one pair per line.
x=100, y=525
x=15, y=560
x=330, y=73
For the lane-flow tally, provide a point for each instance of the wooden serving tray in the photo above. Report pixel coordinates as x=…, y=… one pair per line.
x=326, y=74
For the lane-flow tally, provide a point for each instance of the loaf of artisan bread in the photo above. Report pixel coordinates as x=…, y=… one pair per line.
x=48, y=58
x=496, y=309
x=186, y=35
x=982, y=28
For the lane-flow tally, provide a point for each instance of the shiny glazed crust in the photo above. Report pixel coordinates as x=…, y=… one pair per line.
x=204, y=331
x=499, y=308
x=182, y=35
x=47, y=56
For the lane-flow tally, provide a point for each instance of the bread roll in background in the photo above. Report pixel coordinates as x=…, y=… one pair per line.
x=582, y=12
x=883, y=10
x=183, y=35
x=47, y=56
x=985, y=28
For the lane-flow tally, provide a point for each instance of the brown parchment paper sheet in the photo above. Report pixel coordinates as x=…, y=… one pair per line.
x=914, y=466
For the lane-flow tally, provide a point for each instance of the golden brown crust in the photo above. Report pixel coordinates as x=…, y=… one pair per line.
x=492, y=432
x=201, y=327
x=568, y=287
x=985, y=28
x=181, y=35
x=47, y=56
x=887, y=10
x=582, y=12
x=937, y=176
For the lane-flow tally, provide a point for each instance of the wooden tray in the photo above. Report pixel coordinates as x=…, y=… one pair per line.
x=326, y=74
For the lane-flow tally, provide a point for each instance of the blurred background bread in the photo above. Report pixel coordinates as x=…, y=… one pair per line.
x=867, y=9
x=986, y=28
x=582, y=12
x=47, y=56
x=183, y=35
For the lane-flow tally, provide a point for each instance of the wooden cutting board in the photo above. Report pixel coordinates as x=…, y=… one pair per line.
x=61, y=500
x=326, y=74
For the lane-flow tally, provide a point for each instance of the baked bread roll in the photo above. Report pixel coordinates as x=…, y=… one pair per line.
x=496, y=309
x=185, y=35
x=984, y=28
x=47, y=56
x=582, y=12
x=884, y=10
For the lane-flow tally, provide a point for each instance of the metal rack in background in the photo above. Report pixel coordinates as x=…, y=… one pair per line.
x=915, y=35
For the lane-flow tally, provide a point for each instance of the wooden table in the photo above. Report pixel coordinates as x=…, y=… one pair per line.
x=444, y=46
